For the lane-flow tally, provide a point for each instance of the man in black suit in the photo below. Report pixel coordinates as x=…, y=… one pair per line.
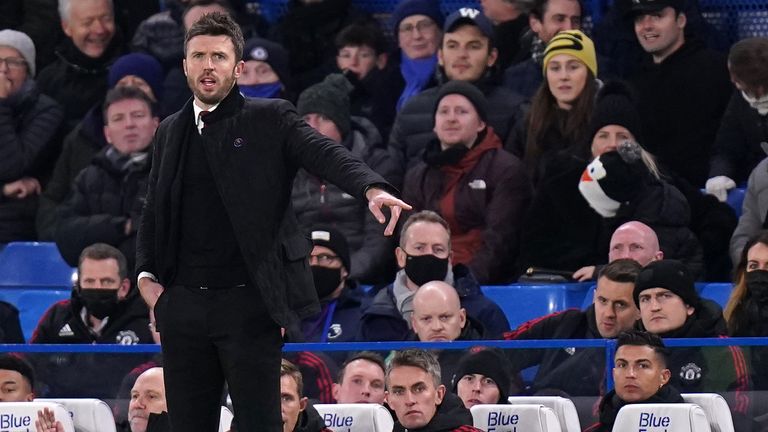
x=219, y=232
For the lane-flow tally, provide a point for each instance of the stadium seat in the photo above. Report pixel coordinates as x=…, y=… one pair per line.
x=356, y=417
x=34, y=265
x=523, y=302
x=564, y=409
x=715, y=407
x=736, y=200
x=225, y=420
x=21, y=416
x=589, y=297
x=671, y=417
x=515, y=418
x=88, y=415
x=716, y=291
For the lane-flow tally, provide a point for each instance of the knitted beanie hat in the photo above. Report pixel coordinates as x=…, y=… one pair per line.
x=613, y=178
x=668, y=274
x=334, y=240
x=488, y=362
x=141, y=65
x=615, y=105
x=271, y=53
x=406, y=8
x=21, y=43
x=329, y=98
x=574, y=43
x=469, y=91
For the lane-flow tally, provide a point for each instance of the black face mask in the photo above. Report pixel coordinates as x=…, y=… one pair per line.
x=421, y=269
x=757, y=284
x=326, y=280
x=99, y=302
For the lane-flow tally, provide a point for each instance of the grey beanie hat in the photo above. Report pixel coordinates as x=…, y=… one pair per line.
x=21, y=43
x=329, y=98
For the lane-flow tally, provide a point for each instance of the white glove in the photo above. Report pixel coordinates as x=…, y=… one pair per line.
x=719, y=187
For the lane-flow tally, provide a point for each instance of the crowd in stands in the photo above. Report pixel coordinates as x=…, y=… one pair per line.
x=525, y=146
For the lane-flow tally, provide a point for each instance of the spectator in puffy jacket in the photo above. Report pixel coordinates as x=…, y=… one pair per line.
x=325, y=106
x=467, y=53
x=466, y=176
x=107, y=197
x=28, y=137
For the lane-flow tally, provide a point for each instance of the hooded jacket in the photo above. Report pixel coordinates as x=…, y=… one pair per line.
x=709, y=369
x=483, y=197
x=611, y=404
x=29, y=125
x=754, y=210
x=575, y=371
x=412, y=130
x=319, y=202
x=382, y=321
x=451, y=416
x=738, y=144
x=105, y=195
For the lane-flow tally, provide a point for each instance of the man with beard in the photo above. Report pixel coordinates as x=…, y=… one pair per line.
x=220, y=256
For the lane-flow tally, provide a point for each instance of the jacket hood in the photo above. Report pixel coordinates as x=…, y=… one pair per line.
x=450, y=415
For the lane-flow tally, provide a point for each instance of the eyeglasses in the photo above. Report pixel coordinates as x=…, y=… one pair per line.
x=421, y=26
x=14, y=62
x=324, y=259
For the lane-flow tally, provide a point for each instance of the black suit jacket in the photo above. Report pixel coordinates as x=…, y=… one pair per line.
x=254, y=148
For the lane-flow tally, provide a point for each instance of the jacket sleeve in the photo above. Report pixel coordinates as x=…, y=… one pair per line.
x=22, y=145
x=730, y=142
x=55, y=191
x=753, y=213
x=539, y=328
x=324, y=158
x=504, y=217
x=43, y=332
x=79, y=227
x=375, y=255
x=145, y=236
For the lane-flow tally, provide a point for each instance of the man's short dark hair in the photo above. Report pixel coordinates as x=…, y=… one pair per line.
x=424, y=216
x=623, y=270
x=539, y=8
x=369, y=356
x=103, y=251
x=748, y=62
x=641, y=338
x=13, y=362
x=122, y=93
x=291, y=370
x=362, y=35
x=217, y=24
x=417, y=358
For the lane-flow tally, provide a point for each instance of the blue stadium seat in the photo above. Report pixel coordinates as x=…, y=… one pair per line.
x=736, y=199
x=717, y=291
x=32, y=304
x=523, y=302
x=589, y=297
x=34, y=265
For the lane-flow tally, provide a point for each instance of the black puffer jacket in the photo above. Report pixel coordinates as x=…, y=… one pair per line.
x=105, y=196
x=318, y=202
x=611, y=404
x=29, y=123
x=78, y=82
x=412, y=130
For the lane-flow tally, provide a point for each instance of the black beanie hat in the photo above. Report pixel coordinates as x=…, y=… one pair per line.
x=469, y=91
x=329, y=98
x=488, y=362
x=334, y=240
x=271, y=53
x=406, y=8
x=615, y=105
x=668, y=274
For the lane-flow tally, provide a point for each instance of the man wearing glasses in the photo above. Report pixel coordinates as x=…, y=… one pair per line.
x=28, y=125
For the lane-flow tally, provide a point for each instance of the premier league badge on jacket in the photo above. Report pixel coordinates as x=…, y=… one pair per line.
x=127, y=337
x=690, y=374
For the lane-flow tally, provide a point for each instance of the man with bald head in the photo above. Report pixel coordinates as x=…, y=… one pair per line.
x=634, y=240
x=439, y=317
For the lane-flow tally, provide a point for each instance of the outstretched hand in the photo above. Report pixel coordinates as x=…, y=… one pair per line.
x=46, y=422
x=378, y=198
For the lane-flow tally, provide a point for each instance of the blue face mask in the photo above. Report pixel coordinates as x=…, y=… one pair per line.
x=271, y=90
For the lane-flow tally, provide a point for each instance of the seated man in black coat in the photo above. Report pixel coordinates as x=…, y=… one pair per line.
x=640, y=374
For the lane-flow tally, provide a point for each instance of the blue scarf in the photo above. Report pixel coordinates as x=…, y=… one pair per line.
x=271, y=90
x=417, y=74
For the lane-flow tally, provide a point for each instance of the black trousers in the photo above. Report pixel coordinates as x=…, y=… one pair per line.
x=217, y=335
